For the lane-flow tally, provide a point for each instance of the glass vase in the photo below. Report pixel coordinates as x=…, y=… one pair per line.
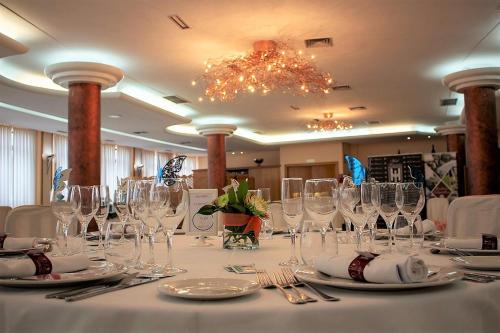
x=241, y=231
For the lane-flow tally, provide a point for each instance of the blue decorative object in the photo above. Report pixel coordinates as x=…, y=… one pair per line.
x=358, y=170
x=60, y=176
x=172, y=167
x=159, y=169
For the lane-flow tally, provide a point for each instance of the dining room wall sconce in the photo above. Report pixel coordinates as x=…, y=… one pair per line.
x=138, y=169
x=48, y=160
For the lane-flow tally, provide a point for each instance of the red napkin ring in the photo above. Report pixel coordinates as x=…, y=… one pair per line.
x=42, y=263
x=490, y=242
x=357, y=266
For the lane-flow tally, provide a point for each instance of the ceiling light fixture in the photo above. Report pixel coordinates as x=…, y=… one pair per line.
x=271, y=66
x=327, y=124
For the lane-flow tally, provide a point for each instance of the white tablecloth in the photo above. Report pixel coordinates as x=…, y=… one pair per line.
x=462, y=307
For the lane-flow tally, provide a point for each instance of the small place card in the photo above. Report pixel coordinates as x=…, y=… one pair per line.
x=201, y=225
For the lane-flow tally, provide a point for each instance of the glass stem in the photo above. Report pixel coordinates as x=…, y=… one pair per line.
x=100, y=227
x=359, y=235
x=151, y=241
x=292, y=238
x=169, y=235
x=390, y=239
x=323, y=238
x=65, y=235
x=372, y=235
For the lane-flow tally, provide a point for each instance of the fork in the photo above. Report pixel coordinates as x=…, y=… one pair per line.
x=286, y=282
x=299, y=283
x=266, y=282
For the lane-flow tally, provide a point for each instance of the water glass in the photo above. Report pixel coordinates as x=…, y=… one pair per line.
x=65, y=203
x=384, y=199
x=410, y=199
x=402, y=231
x=267, y=223
x=311, y=242
x=292, y=206
x=102, y=212
x=418, y=234
x=89, y=204
x=122, y=244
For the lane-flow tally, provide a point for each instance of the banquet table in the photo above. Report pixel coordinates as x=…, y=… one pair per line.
x=461, y=307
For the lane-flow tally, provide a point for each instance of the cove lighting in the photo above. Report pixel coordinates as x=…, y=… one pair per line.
x=107, y=130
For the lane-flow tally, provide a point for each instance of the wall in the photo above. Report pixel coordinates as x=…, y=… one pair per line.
x=390, y=146
x=246, y=159
x=317, y=152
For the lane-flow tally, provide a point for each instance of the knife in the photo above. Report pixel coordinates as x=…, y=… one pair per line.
x=129, y=281
x=79, y=290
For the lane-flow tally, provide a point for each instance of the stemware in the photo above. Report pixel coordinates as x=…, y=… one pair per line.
x=291, y=203
x=320, y=202
x=89, y=204
x=121, y=200
x=369, y=208
x=384, y=199
x=172, y=206
x=410, y=200
x=122, y=243
x=402, y=234
x=311, y=242
x=65, y=203
x=267, y=223
x=348, y=199
x=102, y=211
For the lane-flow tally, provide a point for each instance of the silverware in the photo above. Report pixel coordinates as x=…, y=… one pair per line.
x=286, y=282
x=297, y=282
x=266, y=282
x=87, y=287
x=121, y=285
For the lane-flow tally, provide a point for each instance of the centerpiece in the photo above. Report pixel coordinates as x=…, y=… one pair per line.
x=241, y=213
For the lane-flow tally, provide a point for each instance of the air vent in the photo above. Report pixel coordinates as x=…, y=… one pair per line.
x=294, y=107
x=179, y=22
x=355, y=108
x=185, y=142
x=140, y=132
x=319, y=42
x=448, y=101
x=63, y=132
x=109, y=140
x=341, y=87
x=176, y=99
x=372, y=122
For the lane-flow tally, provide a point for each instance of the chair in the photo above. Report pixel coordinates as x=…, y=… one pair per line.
x=4, y=210
x=33, y=221
x=437, y=209
x=472, y=216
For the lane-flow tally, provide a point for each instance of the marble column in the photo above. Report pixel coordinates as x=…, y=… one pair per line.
x=455, y=140
x=216, y=150
x=478, y=87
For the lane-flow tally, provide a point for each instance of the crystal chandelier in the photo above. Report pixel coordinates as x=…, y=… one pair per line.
x=271, y=66
x=327, y=124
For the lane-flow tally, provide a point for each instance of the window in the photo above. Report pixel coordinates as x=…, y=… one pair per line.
x=116, y=163
x=148, y=160
x=190, y=164
x=60, y=143
x=17, y=166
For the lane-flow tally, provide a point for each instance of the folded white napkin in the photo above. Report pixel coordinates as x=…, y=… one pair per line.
x=464, y=243
x=18, y=243
x=11, y=267
x=386, y=268
x=426, y=225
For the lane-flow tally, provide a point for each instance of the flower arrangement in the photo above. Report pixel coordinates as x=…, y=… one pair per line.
x=241, y=215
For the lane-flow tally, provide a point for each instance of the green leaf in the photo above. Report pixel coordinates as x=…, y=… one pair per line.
x=207, y=210
x=239, y=207
x=242, y=191
x=232, y=196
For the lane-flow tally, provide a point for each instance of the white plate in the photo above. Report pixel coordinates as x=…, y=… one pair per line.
x=209, y=288
x=442, y=249
x=96, y=271
x=486, y=263
x=443, y=277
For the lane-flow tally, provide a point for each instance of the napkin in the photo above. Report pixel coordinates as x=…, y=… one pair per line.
x=486, y=242
x=385, y=268
x=18, y=243
x=10, y=268
x=427, y=225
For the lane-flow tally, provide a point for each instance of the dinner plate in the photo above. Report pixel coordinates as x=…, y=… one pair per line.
x=438, y=246
x=486, y=263
x=96, y=271
x=209, y=288
x=443, y=277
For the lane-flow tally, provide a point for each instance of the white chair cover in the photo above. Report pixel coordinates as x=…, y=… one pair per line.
x=437, y=209
x=472, y=216
x=33, y=221
x=277, y=216
x=4, y=210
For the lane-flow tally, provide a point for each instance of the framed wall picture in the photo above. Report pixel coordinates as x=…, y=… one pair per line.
x=197, y=224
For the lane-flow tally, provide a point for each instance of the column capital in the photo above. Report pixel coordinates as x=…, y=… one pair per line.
x=65, y=73
x=209, y=129
x=449, y=129
x=478, y=77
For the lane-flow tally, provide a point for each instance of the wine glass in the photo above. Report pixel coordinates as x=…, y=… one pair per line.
x=102, y=211
x=89, y=204
x=122, y=243
x=384, y=199
x=372, y=227
x=267, y=223
x=320, y=202
x=65, y=203
x=369, y=208
x=121, y=203
x=348, y=199
x=173, y=198
x=291, y=203
x=310, y=242
x=143, y=205
x=410, y=200
x=402, y=234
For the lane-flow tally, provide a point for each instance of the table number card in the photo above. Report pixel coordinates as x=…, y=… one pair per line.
x=201, y=224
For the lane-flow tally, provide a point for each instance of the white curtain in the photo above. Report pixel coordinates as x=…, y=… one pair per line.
x=148, y=160
x=116, y=163
x=17, y=166
x=190, y=164
x=61, y=151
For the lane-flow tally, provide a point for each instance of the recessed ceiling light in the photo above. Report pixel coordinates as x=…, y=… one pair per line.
x=428, y=136
x=233, y=153
x=408, y=138
x=359, y=107
x=241, y=152
x=114, y=116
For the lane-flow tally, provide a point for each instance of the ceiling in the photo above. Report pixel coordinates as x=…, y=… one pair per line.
x=393, y=53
